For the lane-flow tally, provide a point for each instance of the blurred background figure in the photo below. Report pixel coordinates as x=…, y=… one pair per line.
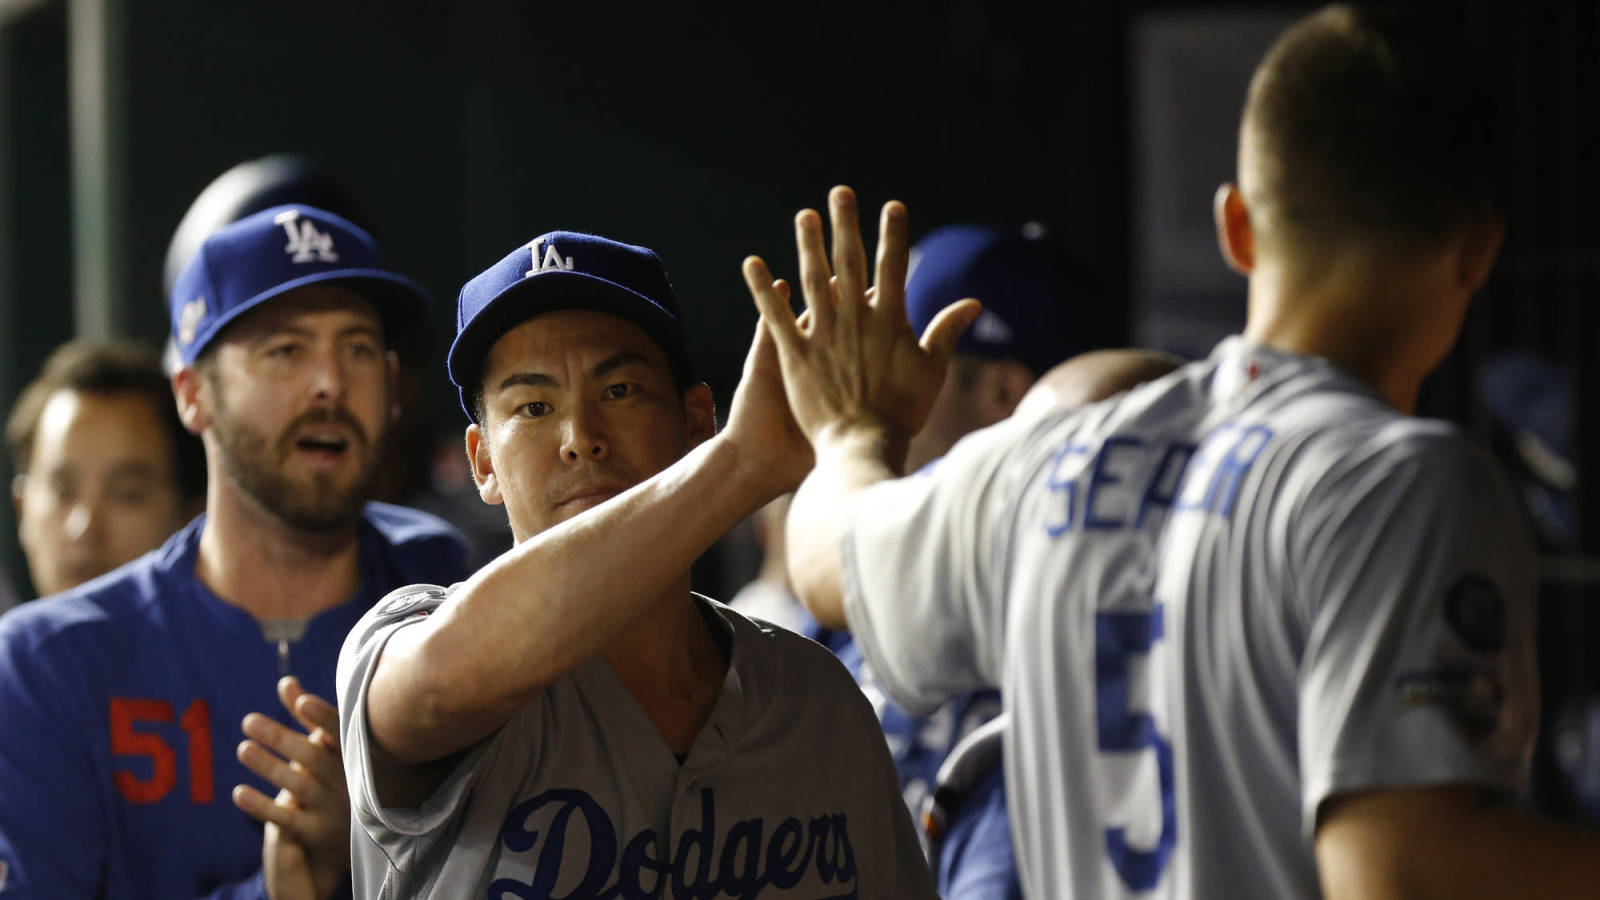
x=1041, y=307
x=1531, y=404
x=250, y=187
x=1529, y=399
x=105, y=470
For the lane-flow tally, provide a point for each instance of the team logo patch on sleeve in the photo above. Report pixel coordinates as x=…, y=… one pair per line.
x=1477, y=614
x=1473, y=695
x=407, y=602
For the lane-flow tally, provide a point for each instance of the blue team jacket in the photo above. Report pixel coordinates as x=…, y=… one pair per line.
x=120, y=704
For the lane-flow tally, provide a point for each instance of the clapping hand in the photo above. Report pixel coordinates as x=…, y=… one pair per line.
x=306, y=850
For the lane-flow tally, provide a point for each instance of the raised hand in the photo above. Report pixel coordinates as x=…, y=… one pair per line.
x=306, y=849
x=759, y=416
x=856, y=370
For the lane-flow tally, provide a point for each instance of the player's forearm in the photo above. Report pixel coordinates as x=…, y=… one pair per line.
x=555, y=601
x=848, y=462
x=1460, y=849
x=1529, y=859
x=1510, y=853
x=1536, y=858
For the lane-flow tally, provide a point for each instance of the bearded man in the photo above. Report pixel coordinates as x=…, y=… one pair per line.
x=121, y=696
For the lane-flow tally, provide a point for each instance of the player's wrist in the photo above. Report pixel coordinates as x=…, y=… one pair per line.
x=863, y=439
x=757, y=471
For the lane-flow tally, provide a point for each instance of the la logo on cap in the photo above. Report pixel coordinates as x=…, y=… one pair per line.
x=305, y=243
x=990, y=328
x=551, y=260
x=189, y=320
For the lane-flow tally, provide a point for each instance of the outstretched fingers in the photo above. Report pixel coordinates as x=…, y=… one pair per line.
x=771, y=297
x=889, y=278
x=284, y=811
x=849, y=264
x=317, y=752
x=309, y=710
x=815, y=273
x=262, y=808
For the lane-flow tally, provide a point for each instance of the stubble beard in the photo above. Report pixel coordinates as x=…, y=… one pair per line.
x=317, y=504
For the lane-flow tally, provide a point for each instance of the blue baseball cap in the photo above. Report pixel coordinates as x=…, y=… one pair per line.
x=563, y=270
x=1040, y=305
x=272, y=252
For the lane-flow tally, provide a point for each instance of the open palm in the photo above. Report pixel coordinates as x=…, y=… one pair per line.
x=856, y=366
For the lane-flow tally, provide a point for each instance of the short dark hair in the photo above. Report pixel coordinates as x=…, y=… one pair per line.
x=107, y=367
x=1371, y=121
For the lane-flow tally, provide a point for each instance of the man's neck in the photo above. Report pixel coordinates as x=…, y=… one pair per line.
x=255, y=561
x=1384, y=322
x=673, y=664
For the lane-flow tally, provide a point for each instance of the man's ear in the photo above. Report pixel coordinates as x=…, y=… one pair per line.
x=1235, y=235
x=193, y=398
x=1477, y=251
x=19, y=486
x=483, y=474
x=700, y=411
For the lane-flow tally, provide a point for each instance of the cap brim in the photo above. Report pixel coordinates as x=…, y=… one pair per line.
x=401, y=302
x=549, y=292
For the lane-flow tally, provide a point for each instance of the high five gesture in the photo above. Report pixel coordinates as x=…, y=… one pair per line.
x=856, y=371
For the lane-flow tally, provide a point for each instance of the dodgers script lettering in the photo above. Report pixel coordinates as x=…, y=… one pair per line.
x=553, y=828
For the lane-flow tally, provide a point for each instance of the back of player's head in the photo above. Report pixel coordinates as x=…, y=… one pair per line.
x=250, y=187
x=106, y=368
x=1367, y=123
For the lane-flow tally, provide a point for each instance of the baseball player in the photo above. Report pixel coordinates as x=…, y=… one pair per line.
x=122, y=698
x=1260, y=633
x=963, y=807
x=572, y=721
x=1038, y=311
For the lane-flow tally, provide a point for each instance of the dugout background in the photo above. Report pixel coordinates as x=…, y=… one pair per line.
x=465, y=129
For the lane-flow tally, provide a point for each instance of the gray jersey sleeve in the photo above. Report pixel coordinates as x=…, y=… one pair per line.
x=1418, y=602
x=922, y=577
x=401, y=835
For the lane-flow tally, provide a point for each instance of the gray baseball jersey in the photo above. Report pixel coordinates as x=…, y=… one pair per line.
x=787, y=791
x=1210, y=603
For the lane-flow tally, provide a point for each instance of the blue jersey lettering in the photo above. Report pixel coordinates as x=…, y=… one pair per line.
x=1100, y=476
x=1216, y=471
x=745, y=861
x=1066, y=483
x=1162, y=489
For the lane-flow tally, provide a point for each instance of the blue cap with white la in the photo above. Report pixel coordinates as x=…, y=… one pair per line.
x=1040, y=305
x=275, y=251
x=563, y=270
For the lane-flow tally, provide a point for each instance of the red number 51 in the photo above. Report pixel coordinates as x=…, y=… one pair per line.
x=196, y=724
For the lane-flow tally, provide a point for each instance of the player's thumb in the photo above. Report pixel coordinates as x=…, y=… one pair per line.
x=761, y=349
x=939, y=340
